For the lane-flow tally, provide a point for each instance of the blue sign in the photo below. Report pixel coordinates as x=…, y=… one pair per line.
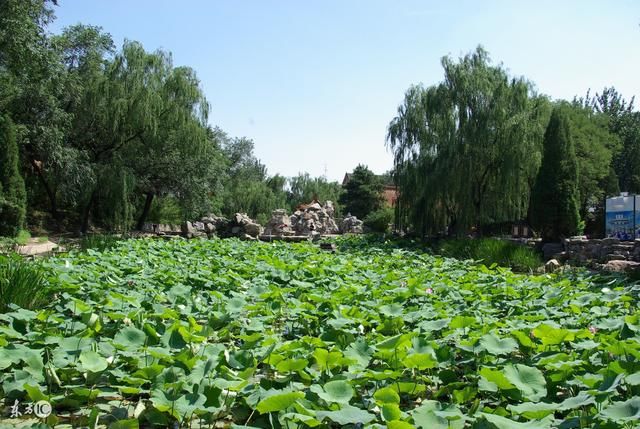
x=621, y=225
x=622, y=217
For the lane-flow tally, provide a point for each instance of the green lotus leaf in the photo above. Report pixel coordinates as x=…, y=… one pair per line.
x=399, y=424
x=337, y=391
x=528, y=380
x=278, y=402
x=92, y=361
x=420, y=361
x=533, y=410
x=386, y=395
x=581, y=400
x=130, y=338
x=462, y=322
x=390, y=412
x=623, y=411
x=497, y=346
x=504, y=423
x=346, y=415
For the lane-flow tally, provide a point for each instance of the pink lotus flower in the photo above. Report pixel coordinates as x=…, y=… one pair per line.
x=593, y=329
x=429, y=290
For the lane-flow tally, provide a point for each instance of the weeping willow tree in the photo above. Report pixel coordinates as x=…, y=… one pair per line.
x=181, y=158
x=466, y=151
x=148, y=118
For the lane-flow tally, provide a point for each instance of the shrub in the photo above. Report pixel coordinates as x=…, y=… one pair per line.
x=379, y=220
x=491, y=251
x=11, y=216
x=22, y=237
x=21, y=283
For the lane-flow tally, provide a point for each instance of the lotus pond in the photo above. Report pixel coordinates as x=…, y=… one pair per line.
x=223, y=333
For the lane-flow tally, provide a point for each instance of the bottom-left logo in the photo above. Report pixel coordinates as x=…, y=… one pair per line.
x=41, y=409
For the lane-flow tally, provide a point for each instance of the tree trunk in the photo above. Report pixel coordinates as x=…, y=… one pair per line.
x=84, y=227
x=145, y=210
x=53, y=205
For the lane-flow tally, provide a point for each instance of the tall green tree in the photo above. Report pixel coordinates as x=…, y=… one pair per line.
x=555, y=197
x=247, y=187
x=466, y=150
x=177, y=157
x=624, y=122
x=13, y=197
x=303, y=188
x=363, y=193
x=61, y=165
x=32, y=85
x=141, y=124
x=595, y=147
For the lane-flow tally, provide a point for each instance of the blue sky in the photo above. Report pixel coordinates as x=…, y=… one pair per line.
x=315, y=83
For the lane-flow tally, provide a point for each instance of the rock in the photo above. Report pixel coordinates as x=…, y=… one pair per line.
x=629, y=267
x=187, y=229
x=351, y=225
x=610, y=240
x=34, y=247
x=241, y=219
x=578, y=239
x=199, y=226
x=329, y=208
x=279, y=224
x=624, y=247
x=614, y=257
x=314, y=219
x=550, y=249
x=253, y=229
x=235, y=230
x=209, y=228
x=551, y=266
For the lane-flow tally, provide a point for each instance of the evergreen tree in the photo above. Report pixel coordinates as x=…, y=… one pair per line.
x=363, y=193
x=13, y=197
x=554, y=200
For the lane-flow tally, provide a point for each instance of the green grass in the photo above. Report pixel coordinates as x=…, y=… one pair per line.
x=491, y=251
x=99, y=242
x=21, y=283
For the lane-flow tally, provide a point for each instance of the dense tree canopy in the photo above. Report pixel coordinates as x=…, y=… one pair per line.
x=466, y=150
x=363, y=192
x=115, y=137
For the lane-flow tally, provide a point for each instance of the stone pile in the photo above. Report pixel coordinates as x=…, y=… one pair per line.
x=279, y=224
x=351, y=225
x=608, y=254
x=240, y=225
x=583, y=250
x=313, y=218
